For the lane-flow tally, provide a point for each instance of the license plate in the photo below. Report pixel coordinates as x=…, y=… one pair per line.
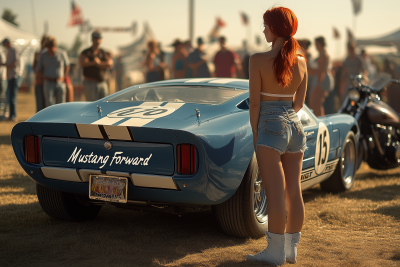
x=108, y=188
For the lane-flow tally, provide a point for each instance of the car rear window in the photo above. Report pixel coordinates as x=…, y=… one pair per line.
x=180, y=94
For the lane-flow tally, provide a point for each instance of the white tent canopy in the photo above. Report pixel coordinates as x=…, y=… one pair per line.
x=16, y=35
x=25, y=43
x=388, y=40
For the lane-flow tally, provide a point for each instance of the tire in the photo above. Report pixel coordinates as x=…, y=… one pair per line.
x=65, y=206
x=245, y=214
x=343, y=177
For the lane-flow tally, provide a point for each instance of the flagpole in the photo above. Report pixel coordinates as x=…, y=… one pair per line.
x=34, y=17
x=248, y=35
x=191, y=20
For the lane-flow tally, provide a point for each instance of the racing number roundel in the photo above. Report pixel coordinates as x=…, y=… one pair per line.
x=144, y=112
x=321, y=148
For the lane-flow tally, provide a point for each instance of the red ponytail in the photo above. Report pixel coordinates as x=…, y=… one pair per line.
x=283, y=23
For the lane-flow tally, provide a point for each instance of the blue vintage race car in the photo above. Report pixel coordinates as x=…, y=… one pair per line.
x=176, y=146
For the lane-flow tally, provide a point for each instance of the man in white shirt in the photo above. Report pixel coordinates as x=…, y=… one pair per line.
x=12, y=66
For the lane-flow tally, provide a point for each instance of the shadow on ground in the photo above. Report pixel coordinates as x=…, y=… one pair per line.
x=378, y=193
x=17, y=181
x=375, y=175
x=5, y=140
x=393, y=211
x=138, y=238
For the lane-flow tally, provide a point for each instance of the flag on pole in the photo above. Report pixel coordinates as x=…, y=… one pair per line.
x=245, y=18
x=336, y=34
x=356, y=6
x=76, y=17
x=214, y=34
x=350, y=36
x=220, y=23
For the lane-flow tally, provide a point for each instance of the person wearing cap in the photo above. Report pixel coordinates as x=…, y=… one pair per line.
x=227, y=63
x=179, y=64
x=198, y=62
x=94, y=62
x=53, y=64
x=13, y=78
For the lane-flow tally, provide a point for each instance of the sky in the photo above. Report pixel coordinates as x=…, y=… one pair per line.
x=169, y=19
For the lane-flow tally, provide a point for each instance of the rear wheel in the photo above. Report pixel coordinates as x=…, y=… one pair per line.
x=343, y=177
x=65, y=206
x=245, y=214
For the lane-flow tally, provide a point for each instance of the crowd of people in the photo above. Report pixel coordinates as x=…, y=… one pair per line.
x=52, y=82
x=189, y=62
x=327, y=82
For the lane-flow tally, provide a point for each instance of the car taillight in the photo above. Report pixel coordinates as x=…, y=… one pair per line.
x=32, y=149
x=186, y=158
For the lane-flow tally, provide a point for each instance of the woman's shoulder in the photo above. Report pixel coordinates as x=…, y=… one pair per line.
x=301, y=61
x=260, y=57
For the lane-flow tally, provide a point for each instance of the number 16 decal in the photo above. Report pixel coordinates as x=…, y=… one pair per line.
x=321, y=148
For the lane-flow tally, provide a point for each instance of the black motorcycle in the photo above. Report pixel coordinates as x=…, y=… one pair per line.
x=379, y=124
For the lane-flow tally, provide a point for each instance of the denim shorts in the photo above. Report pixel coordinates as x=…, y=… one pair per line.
x=280, y=128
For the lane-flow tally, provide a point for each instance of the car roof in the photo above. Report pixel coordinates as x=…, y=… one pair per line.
x=215, y=82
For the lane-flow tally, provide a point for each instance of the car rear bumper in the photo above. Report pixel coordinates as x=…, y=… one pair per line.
x=213, y=183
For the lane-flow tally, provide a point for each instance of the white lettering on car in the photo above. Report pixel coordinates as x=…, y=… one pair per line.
x=117, y=158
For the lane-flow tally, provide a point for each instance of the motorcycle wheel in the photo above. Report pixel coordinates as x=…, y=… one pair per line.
x=343, y=177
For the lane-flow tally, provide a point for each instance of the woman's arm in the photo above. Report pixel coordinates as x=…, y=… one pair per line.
x=254, y=92
x=322, y=67
x=300, y=96
x=150, y=62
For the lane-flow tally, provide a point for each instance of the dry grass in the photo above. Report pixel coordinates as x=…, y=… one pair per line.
x=357, y=228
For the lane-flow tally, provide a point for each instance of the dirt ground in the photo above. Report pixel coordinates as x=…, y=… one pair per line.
x=360, y=227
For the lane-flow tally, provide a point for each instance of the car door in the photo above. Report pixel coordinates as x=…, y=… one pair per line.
x=314, y=137
x=320, y=157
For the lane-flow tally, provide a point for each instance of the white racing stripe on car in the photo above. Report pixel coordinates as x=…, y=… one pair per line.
x=117, y=132
x=156, y=104
x=112, y=120
x=141, y=121
x=137, y=122
x=223, y=81
x=199, y=80
x=89, y=131
x=174, y=105
x=149, y=112
x=107, y=121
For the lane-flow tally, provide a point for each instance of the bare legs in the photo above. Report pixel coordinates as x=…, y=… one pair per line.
x=281, y=180
x=271, y=171
x=292, y=165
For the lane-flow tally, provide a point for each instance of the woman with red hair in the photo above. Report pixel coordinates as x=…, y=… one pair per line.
x=278, y=82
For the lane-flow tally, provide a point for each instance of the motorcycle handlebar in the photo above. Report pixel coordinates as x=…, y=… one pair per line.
x=357, y=80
